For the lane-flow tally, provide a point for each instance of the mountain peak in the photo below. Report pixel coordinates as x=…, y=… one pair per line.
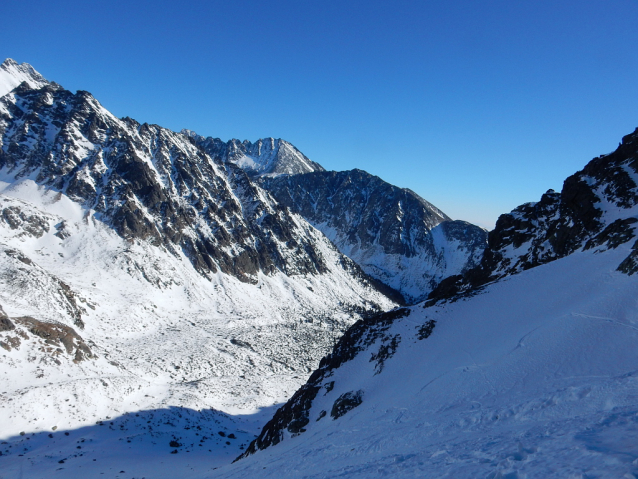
x=265, y=157
x=9, y=62
x=13, y=74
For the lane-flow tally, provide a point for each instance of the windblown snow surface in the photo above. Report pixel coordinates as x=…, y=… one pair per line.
x=535, y=376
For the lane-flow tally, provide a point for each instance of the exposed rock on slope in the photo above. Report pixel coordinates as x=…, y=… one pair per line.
x=52, y=337
x=5, y=323
x=392, y=233
x=596, y=209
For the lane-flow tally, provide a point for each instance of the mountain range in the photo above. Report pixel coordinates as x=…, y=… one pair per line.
x=172, y=302
x=156, y=268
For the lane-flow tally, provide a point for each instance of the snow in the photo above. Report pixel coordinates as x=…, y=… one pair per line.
x=12, y=74
x=533, y=377
x=246, y=162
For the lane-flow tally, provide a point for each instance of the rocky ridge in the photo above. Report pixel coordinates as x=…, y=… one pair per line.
x=268, y=157
x=596, y=209
x=395, y=235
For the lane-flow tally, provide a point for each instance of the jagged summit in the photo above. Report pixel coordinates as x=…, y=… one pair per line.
x=13, y=73
x=266, y=157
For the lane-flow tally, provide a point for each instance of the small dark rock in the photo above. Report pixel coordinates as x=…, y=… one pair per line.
x=346, y=402
x=426, y=329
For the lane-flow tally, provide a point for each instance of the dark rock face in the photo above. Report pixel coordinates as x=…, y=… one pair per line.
x=294, y=415
x=562, y=223
x=54, y=336
x=345, y=403
x=151, y=184
x=361, y=206
x=629, y=265
x=393, y=234
x=425, y=330
x=31, y=224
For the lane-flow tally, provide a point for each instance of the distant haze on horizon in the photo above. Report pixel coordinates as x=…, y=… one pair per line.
x=476, y=106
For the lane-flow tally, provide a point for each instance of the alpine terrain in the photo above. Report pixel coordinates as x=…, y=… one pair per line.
x=158, y=299
x=524, y=366
x=396, y=236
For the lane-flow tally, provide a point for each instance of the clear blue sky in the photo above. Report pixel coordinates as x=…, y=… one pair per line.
x=478, y=106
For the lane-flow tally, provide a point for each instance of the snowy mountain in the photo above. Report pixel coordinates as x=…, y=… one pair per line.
x=522, y=367
x=266, y=157
x=395, y=235
x=150, y=184
x=143, y=277
x=392, y=233
x=12, y=74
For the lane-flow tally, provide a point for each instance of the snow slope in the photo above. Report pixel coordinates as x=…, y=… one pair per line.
x=524, y=366
x=534, y=377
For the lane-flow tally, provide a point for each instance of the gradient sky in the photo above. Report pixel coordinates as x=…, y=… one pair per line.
x=478, y=106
